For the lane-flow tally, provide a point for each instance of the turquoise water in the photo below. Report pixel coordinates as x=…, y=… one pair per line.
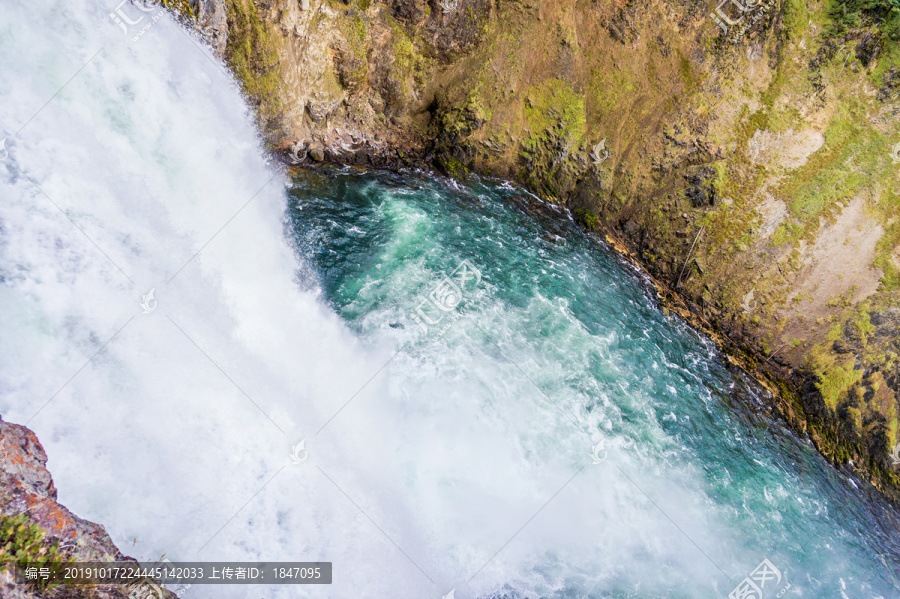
x=558, y=348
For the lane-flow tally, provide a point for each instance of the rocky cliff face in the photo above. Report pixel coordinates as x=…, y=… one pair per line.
x=743, y=152
x=27, y=488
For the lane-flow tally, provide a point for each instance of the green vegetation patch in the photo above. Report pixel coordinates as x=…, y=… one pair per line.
x=410, y=66
x=556, y=105
x=853, y=14
x=453, y=167
x=889, y=57
x=796, y=18
x=690, y=79
x=353, y=26
x=252, y=53
x=859, y=326
x=886, y=258
x=826, y=179
x=587, y=219
x=611, y=90
x=24, y=545
x=834, y=378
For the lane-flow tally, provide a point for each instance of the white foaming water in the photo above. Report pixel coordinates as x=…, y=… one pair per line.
x=108, y=192
x=173, y=428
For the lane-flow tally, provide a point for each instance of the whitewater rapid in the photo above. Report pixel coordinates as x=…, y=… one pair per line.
x=429, y=464
x=145, y=173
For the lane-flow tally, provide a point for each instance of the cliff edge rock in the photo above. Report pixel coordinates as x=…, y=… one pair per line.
x=26, y=488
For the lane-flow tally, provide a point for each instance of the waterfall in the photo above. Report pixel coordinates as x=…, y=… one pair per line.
x=178, y=339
